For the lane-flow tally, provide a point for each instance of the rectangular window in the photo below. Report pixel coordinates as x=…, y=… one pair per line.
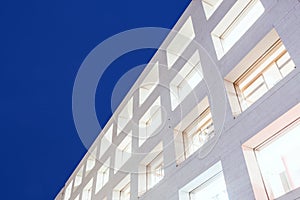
x=155, y=171
x=102, y=175
x=91, y=161
x=272, y=157
x=68, y=191
x=265, y=72
x=210, y=6
x=198, y=133
x=87, y=191
x=210, y=185
x=181, y=41
x=186, y=80
x=150, y=121
x=151, y=169
x=78, y=178
x=193, y=131
x=122, y=190
x=235, y=24
x=149, y=84
x=125, y=192
x=123, y=151
x=125, y=116
x=106, y=141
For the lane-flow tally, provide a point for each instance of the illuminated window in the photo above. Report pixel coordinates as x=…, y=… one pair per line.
x=198, y=133
x=180, y=42
x=123, y=151
x=265, y=72
x=150, y=121
x=273, y=155
x=210, y=185
x=102, y=175
x=125, y=116
x=193, y=131
x=235, y=24
x=149, y=84
x=186, y=80
x=210, y=6
x=87, y=191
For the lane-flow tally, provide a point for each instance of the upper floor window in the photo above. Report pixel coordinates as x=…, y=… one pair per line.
x=198, y=133
x=210, y=6
x=155, y=171
x=265, y=72
x=235, y=24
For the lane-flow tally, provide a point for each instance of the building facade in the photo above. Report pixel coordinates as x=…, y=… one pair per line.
x=214, y=115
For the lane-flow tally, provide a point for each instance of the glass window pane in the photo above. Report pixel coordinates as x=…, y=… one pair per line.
x=272, y=75
x=279, y=162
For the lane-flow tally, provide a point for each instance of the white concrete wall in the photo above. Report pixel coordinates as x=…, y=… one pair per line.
x=284, y=16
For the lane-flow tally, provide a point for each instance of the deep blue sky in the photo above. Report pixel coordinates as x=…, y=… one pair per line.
x=43, y=44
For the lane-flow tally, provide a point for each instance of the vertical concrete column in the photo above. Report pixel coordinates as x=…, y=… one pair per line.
x=288, y=29
x=168, y=134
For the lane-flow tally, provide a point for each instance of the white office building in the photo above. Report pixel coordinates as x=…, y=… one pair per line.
x=215, y=115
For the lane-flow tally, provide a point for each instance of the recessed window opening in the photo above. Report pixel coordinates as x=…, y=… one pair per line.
x=235, y=24
x=102, y=176
x=125, y=116
x=68, y=191
x=78, y=178
x=91, y=161
x=186, y=80
x=87, y=191
x=151, y=169
x=106, y=141
x=122, y=190
x=212, y=189
x=123, y=151
x=198, y=133
x=209, y=185
x=155, y=171
x=150, y=121
x=181, y=41
x=149, y=84
x=279, y=163
x=210, y=6
x=266, y=72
